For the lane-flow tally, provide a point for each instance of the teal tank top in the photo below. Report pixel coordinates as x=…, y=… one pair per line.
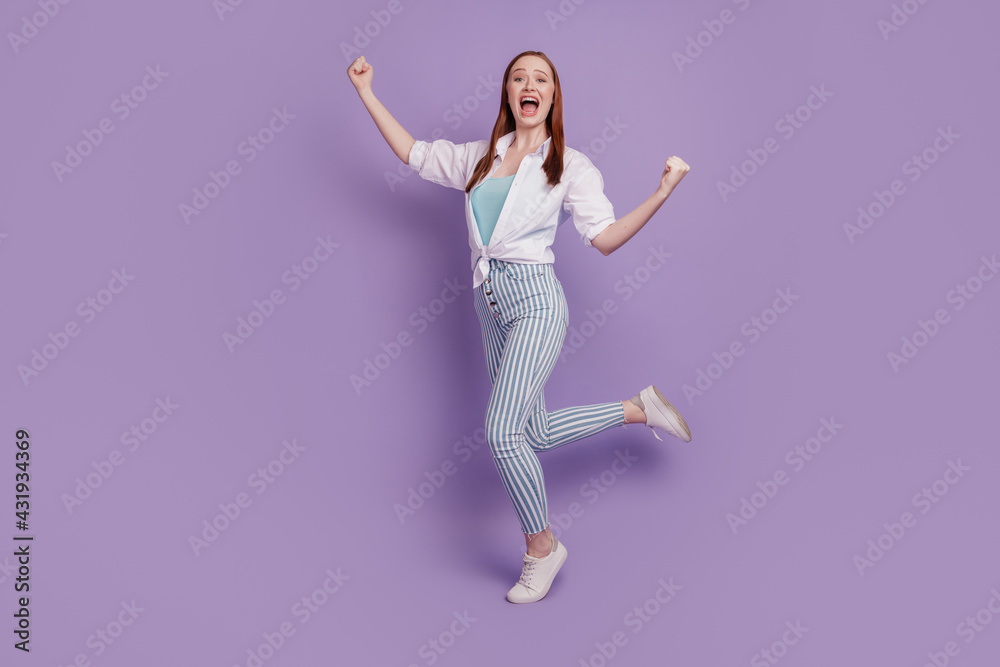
x=487, y=199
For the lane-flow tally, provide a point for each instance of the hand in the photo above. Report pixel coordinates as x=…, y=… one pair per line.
x=674, y=169
x=360, y=73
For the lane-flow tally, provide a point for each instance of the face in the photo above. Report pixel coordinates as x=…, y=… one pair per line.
x=530, y=77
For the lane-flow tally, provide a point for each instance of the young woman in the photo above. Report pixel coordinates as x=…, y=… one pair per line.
x=519, y=186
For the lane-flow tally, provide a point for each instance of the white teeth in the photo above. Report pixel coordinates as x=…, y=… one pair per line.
x=529, y=97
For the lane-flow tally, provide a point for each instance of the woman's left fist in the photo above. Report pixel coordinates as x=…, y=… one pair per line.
x=674, y=169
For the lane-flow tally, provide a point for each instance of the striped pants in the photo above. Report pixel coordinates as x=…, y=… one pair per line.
x=524, y=317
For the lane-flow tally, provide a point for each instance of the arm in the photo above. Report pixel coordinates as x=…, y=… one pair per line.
x=624, y=228
x=399, y=140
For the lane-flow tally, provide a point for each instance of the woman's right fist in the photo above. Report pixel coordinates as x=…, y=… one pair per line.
x=360, y=73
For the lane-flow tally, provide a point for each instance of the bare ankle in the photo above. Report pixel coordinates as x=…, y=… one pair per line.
x=540, y=544
x=633, y=413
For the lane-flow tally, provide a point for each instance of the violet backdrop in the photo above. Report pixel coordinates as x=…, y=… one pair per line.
x=241, y=336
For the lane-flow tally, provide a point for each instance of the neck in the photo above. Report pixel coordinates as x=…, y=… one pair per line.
x=527, y=140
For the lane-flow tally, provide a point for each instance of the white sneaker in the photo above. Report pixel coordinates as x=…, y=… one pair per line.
x=660, y=414
x=537, y=574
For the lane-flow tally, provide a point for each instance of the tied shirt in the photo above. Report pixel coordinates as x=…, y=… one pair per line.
x=533, y=209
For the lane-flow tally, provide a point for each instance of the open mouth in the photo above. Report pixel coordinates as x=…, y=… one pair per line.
x=529, y=105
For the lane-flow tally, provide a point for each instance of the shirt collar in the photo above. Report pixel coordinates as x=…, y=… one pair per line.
x=504, y=142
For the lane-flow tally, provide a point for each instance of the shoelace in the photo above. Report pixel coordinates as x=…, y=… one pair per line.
x=526, y=573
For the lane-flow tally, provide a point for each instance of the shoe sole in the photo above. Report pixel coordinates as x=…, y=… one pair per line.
x=564, y=553
x=674, y=418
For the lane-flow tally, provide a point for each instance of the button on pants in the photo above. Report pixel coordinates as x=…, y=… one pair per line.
x=524, y=317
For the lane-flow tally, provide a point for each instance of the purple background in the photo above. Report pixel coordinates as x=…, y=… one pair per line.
x=362, y=451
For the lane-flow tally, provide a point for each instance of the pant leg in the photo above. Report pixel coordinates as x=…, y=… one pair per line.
x=524, y=319
x=548, y=430
x=545, y=430
x=530, y=352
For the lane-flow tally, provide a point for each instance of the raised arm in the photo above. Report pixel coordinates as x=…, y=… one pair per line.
x=399, y=140
x=624, y=228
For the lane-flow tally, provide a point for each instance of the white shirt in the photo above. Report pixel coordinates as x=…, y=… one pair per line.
x=528, y=220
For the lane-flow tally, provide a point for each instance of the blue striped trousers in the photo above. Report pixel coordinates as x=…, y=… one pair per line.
x=524, y=317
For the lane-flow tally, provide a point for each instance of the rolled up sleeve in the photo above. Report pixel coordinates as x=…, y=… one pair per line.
x=444, y=162
x=418, y=153
x=586, y=202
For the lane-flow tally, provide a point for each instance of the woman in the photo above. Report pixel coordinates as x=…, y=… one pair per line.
x=516, y=193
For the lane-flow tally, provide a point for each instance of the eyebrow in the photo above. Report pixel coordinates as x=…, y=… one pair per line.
x=521, y=69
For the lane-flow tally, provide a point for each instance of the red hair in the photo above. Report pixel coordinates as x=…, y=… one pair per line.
x=553, y=165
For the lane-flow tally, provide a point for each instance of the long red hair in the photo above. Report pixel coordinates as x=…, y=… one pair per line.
x=553, y=165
